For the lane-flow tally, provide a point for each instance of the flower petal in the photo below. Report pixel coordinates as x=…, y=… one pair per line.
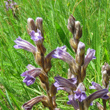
x=63, y=55
x=23, y=44
x=95, y=86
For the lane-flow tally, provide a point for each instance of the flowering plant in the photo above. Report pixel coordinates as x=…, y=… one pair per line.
x=74, y=85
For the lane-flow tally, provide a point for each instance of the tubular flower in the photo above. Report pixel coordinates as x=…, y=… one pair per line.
x=63, y=55
x=23, y=44
x=65, y=84
x=31, y=74
x=95, y=95
x=98, y=87
x=95, y=86
x=89, y=56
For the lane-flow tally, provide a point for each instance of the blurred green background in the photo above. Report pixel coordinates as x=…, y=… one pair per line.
x=94, y=16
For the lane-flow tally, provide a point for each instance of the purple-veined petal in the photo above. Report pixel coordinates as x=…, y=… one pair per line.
x=64, y=89
x=95, y=86
x=31, y=74
x=30, y=67
x=89, y=56
x=95, y=95
x=61, y=53
x=23, y=44
x=64, y=84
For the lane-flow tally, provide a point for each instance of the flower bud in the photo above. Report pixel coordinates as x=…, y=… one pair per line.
x=74, y=44
x=105, y=74
x=78, y=28
x=80, y=54
x=71, y=24
x=31, y=25
x=39, y=22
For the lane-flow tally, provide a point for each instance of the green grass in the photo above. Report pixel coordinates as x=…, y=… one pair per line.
x=95, y=19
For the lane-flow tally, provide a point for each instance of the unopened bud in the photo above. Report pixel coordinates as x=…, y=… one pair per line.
x=78, y=30
x=71, y=24
x=39, y=22
x=74, y=44
x=31, y=25
x=80, y=54
x=105, y=74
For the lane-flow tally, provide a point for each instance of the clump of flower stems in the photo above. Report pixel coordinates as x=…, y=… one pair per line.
x=10, y=4
x=74, y=85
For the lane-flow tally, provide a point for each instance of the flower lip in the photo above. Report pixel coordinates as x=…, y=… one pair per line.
x=29, y=80
x=79, y=95
x=36, y=36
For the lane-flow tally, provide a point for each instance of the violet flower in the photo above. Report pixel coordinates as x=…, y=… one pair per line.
x=79, y=95
x=95, y=95
x=36, y=36
x=31, y=74
x=23, y=44
x=10, y=4
x=84, y=100
x=89, y=56
x=98, y=87
x=63, y=55
x=65, y=84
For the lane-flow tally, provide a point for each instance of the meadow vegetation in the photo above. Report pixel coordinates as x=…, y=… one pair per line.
x=94, y=16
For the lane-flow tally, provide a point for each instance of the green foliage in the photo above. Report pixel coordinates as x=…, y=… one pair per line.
x=95, y=19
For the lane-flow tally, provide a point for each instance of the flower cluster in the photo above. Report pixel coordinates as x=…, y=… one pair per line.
x=74, y=85
x=10, y=4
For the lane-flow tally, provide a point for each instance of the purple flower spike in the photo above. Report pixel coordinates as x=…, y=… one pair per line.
x=23, y=44
x=31, y=74
x=36, y=36
x=63, y=55
x=90, y=55
x=65, y=84
x=95, y=86
x=79, y=95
